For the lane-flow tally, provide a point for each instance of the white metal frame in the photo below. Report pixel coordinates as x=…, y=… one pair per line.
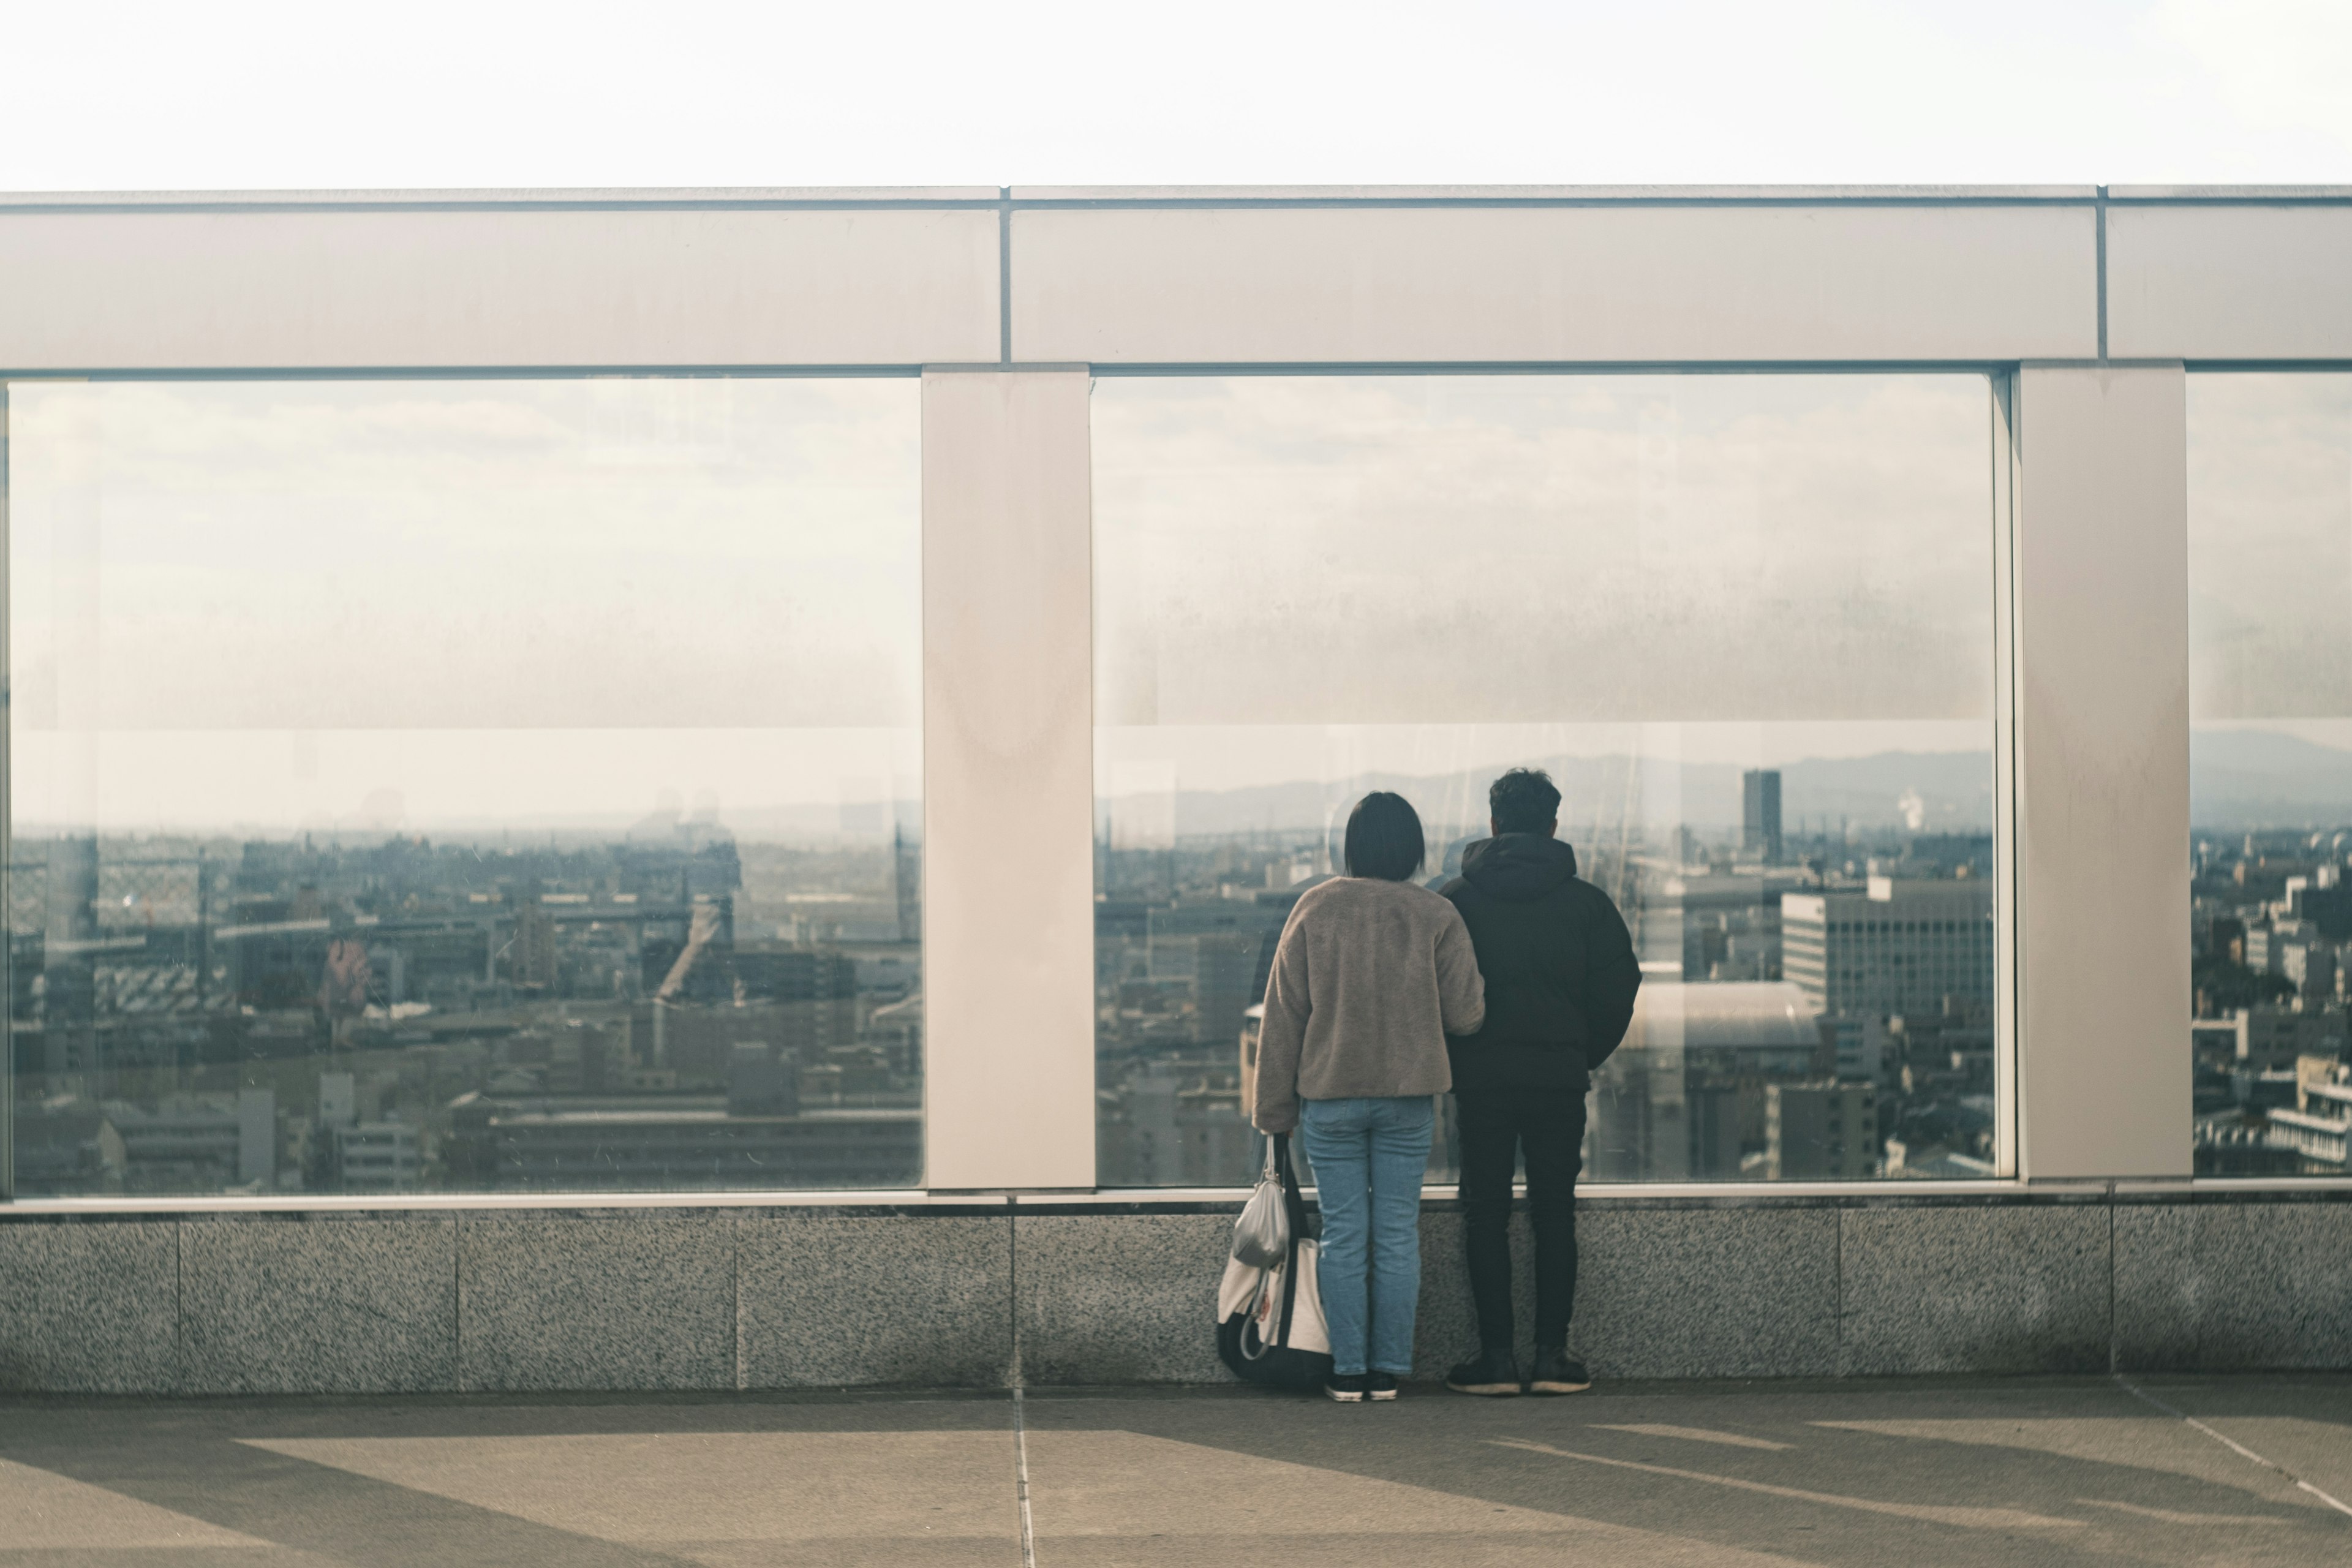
x=1008, y=782
x=2102, y=813
x=2006, y=988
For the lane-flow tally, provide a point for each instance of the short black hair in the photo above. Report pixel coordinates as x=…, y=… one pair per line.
x=1384, y=837
x=1524, y=800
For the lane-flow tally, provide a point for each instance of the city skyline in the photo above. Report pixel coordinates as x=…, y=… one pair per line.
x=1869, y=790
x=2270, y=772
x=665, y=1011
x=285, y=782
x=1871, y=1055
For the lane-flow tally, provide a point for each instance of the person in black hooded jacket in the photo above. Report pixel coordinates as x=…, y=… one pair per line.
x=1560, y=978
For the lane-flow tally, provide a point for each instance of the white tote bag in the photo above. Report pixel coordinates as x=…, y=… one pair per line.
x=1259, y=1293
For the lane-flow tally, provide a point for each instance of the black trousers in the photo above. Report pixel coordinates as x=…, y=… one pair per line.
x=1496, y=1127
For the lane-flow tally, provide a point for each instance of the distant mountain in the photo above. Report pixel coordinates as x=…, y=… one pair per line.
x=2246, y=779
x=1953, y=790
x=2239, y=780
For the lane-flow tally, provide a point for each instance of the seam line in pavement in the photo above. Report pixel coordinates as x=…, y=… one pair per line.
x=1020, y=1481
x=2232, y=1444
x=1958, y=1513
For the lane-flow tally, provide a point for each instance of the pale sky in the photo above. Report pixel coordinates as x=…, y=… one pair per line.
x=724, y=552
x=244, y=94
x=1542, y=549
x=422, y=604
x=2270, y=547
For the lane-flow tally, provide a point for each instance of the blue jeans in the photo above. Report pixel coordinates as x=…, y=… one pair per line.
x=1369, y=1156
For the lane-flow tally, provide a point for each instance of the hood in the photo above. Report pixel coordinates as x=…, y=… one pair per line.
x=1518, y=867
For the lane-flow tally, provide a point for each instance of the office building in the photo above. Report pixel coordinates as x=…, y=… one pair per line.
x=377, y=1157
x=1893, y=948
x=2269, y=1038
x=1826, y=1131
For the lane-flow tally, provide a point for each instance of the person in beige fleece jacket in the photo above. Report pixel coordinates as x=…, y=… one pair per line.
x=1371, y=975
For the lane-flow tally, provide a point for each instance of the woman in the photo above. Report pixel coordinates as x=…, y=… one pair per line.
x=1371, y=975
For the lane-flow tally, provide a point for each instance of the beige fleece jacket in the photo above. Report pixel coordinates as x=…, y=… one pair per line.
x=1369, y=979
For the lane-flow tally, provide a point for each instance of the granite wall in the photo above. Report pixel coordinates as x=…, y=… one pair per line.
x=1104, y=1292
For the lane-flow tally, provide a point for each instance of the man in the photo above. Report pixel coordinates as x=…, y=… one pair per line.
x=1561, y=977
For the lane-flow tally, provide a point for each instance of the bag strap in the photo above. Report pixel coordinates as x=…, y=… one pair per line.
x=1294, y=1202
x=1295, y=1205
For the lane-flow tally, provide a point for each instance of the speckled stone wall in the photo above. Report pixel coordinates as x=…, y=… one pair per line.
x=983, y=1295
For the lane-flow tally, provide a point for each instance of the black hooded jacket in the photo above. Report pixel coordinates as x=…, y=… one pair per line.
x=1559, y=966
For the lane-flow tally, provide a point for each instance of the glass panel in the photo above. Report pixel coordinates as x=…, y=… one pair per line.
x=465, y=785
x=1746, y=622
x=2270, y=770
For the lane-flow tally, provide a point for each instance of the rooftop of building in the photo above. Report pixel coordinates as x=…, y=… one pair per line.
x=1757, y=1015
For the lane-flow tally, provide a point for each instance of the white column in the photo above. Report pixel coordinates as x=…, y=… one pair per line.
x=2102, y=772
x=1008, y=780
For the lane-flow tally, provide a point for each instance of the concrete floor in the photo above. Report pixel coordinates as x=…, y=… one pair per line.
x=2042, y=1471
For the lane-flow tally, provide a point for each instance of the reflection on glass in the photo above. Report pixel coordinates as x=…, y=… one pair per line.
x=1746, y=622
x=2270, y=777
x=465, y=785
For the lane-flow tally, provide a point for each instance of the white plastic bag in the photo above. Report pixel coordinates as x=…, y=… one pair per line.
x=1261, y=1235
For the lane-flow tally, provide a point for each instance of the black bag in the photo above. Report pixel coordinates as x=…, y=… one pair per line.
x=1270, y=1326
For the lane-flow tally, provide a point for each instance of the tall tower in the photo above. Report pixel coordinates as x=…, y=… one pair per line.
x=906, y=876
x=1759, y=815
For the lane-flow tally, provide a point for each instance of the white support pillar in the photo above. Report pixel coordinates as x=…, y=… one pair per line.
x=2101, y=600
x=1008, y=780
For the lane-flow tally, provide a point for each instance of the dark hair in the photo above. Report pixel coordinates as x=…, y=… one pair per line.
x=1384, y=837
x=1524, y=800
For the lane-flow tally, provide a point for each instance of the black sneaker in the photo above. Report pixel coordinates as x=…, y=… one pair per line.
x=1556, y=1373
x=1380, y=1386
x=1494, y=1372
x=1348, y=1387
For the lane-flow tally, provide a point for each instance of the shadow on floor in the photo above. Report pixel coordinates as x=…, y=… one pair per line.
x=2057, y=1471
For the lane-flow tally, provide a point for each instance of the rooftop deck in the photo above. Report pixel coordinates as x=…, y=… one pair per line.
x=2247, y=1471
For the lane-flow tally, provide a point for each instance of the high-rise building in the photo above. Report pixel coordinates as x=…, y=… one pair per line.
x=907, y=883
x=1860, y=1042
x=1825, y=1129
x=376, y=1157
x=2265, y=946
x=1225, y=965
x=1759, y=815
x=256, y=1136
x=2309, y=964
x=339, y=1102
x=534, y=945
x=1898, y=948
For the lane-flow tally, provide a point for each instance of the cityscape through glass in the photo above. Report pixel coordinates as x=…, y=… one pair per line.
x=473, y=786
x=2270, y=770
x=1746, y=622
